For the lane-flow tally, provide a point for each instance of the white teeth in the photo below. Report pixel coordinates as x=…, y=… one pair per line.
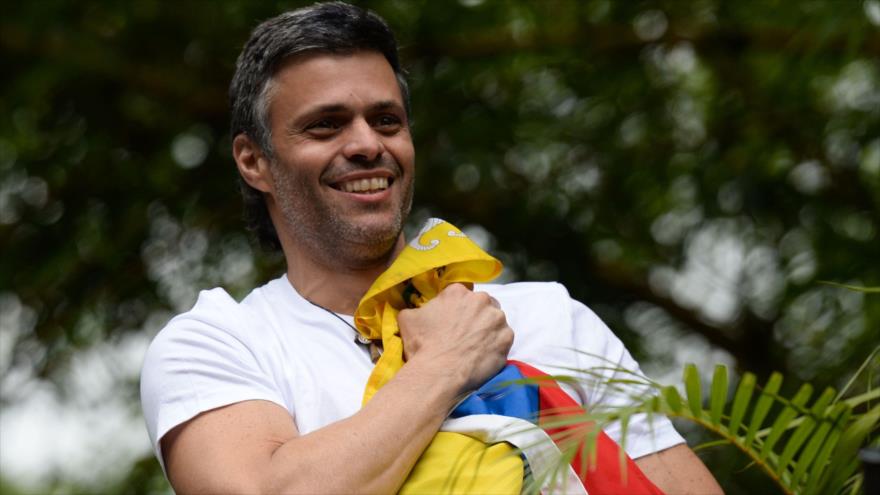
x=365, y=185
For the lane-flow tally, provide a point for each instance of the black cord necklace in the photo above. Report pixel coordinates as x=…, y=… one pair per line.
x=375, y=349
x=360, y=339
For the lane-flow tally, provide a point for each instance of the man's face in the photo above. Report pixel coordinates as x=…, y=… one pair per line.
x=344, y=159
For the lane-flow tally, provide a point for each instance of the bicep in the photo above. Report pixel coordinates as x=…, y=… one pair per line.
x=678, y=470
x=228, y=449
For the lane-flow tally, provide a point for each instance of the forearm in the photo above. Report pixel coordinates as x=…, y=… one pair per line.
x=679, y=470
x=374, y=450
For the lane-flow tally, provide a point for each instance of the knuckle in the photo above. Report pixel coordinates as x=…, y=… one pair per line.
x=482, y=298
x=497, y=315
x=457, y=288
x=508, y=336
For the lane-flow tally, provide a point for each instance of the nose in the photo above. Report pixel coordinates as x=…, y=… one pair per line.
x=364, y=144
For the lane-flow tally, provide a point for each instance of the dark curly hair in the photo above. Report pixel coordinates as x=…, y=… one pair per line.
x=333, y=27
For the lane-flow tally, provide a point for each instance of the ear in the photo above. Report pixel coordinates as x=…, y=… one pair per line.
x=253, y=165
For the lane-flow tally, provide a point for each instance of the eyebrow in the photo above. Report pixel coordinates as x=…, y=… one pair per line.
x=332, y=108
x=328, y=108
x=386, y=104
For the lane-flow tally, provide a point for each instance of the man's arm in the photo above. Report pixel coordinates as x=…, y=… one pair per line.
x=677, y=470
x=454, y=343
x=254, y=446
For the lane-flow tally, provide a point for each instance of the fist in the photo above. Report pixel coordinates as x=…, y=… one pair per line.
x=459, y=332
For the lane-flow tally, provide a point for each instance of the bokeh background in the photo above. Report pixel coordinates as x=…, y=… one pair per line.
x=692, y=170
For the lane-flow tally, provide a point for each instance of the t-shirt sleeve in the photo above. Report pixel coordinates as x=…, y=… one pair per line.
x=601, y=352
x=201, y=360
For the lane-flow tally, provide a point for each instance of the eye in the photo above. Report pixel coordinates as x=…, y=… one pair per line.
x=388, y=123
x=323, y=127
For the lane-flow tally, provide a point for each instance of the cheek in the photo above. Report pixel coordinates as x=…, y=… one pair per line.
x=404, y=153
x=310, y=160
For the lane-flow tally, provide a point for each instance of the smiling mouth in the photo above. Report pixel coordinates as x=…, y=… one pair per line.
x=364, y=186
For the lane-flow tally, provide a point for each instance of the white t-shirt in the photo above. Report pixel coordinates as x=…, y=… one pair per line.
x=277, y=346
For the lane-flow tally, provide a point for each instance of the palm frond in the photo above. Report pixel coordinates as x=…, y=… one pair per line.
x=806, y=445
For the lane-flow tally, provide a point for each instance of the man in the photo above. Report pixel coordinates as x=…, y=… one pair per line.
x=265, y=395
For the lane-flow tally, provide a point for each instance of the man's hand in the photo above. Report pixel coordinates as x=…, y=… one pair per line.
x=460, y=332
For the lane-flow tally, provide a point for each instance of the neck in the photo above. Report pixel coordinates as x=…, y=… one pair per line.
x=338, y=288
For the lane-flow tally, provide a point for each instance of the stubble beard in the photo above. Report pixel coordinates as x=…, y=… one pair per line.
x=333, y=239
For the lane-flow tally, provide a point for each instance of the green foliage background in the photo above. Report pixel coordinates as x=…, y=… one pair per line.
x=690, y=170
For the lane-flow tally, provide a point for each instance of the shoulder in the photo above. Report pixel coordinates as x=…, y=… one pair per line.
x=553, y=328
x=214, y=354
x=524, y=289
x=546, y=300
x=214, y=313
x=216, y=309
x=216, y=323
x=540, y=315
x=212, y=328
x=528, y=295
x=535, y=306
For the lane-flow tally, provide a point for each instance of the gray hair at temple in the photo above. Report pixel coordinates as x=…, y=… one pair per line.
x=334, y=27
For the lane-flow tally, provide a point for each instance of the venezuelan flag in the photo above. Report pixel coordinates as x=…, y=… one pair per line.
x=531, y=396
x=508, y=431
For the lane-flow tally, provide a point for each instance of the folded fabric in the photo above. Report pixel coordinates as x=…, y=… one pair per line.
x=531, y=394
x=493, y=441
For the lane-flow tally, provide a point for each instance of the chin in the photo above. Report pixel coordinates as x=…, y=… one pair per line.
x=376, y=226
x=379, y=234
x=368, y=255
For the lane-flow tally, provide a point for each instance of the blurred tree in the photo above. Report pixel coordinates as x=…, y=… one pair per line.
x=691, y=170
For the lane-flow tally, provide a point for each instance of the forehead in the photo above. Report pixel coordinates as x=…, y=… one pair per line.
x=323, y=79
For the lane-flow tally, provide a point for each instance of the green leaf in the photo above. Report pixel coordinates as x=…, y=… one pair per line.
x=785, y=417
x=857, y=288
x=794, y=443
x=817, y=480
x=718, y=396
x=810, y=452
x=692, y=387
x=741, y=401
x=820, y=415
x=670, y=395
x=763, y=405
x=850, y=442
x=855, y=485
x=862, y=398
x=621, y=453
x=816, y=416
x=858, y=372
x=820, y=407
x=709, y=445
